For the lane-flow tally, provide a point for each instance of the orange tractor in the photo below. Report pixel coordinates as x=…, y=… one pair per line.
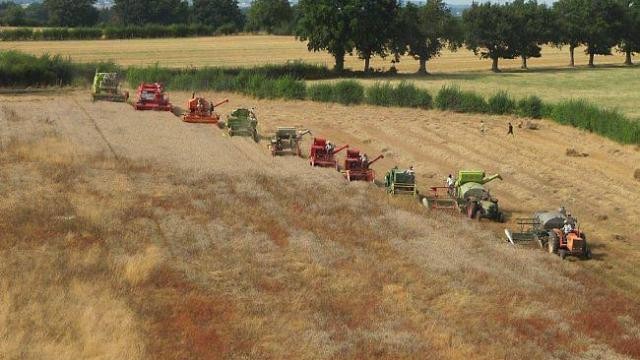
x=151, y=96
x=202, y=111
x=573, y=243
x=322, y=153
x=357, y=167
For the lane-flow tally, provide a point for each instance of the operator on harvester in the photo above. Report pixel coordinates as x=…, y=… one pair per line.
x=329, y=148
x=567, y=228
x=451, y=183
x=364, y=161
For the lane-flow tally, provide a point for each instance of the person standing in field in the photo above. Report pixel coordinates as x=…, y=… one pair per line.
x=483, y=128
x=510, y=131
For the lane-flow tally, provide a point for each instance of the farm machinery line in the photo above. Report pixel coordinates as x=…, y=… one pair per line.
x=467, y=195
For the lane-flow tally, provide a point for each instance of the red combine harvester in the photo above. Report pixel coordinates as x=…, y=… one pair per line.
x=356, y=168
x=202, y=111
x=151, y=96
x=320, y=154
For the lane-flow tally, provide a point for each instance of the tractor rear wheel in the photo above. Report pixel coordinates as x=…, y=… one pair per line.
x=471, y=209
x=562, y=253
x=586, y=254
x=553, y=243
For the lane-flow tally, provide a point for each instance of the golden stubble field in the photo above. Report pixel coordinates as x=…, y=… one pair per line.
x=250, y=50
x=134, y=235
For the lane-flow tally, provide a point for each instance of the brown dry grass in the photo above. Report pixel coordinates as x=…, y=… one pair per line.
x=256, y=257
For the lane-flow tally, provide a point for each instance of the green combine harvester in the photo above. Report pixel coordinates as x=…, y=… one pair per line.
x=287, y=140
x=243, y=122
x=402, y=182
x=468, y=195
x=106, y=86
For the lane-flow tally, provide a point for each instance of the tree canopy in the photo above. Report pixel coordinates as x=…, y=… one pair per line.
x=272, y=16
x=217, y=13
x=71, y=12
x=487, y=32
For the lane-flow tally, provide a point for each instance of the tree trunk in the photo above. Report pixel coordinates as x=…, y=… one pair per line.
x=494, y=64
x=524, y=63
x=591, y=56
x=367, y=60
x=423, y=67
x=572, y=62
x=339, y=62
x=627, y=60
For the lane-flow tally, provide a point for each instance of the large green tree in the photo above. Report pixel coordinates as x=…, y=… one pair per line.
x=569, y=25
x=370, y=27
x=164, y=12
x=629, y=42
x=272, y=16
x=326, y=25
x=217, y=13
x=71, y=12
x=487, y=32
x=427, y=29
x=604, y=25
x=528, y=28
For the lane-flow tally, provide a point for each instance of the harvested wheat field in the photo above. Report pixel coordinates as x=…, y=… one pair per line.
x=250, y=50
x=134, y=235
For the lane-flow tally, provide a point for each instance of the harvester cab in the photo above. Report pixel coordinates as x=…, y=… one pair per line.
x=151, y=96
x=398, y=181
x=323, y=155
x=287, y=140
x=473, y=198
x=106, y=86
x=202, y=111
x=243, y=122
x=358, y=167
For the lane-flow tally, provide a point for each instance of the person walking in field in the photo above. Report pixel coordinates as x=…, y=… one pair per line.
x=510, y=131
x=483, y=128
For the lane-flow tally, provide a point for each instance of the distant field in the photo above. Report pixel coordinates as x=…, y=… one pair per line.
x=248, y=50
x=548, y=77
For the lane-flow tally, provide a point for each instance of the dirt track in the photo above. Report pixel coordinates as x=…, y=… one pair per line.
x=599, y=189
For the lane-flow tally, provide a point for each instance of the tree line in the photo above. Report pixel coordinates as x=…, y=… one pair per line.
x=368, y=28
x=272, y=16
x=493, y=31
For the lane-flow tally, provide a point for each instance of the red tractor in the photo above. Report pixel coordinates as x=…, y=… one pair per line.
x=323, y=154
x=151, y=96
x=357, y=167
x=202, y=111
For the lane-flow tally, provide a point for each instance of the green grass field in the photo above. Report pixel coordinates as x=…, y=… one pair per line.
x=613, y=87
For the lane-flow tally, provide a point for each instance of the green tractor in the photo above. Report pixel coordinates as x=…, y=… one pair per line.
x=398, y=181
x=243, y=122
x=468, y=195
x=106, y=86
